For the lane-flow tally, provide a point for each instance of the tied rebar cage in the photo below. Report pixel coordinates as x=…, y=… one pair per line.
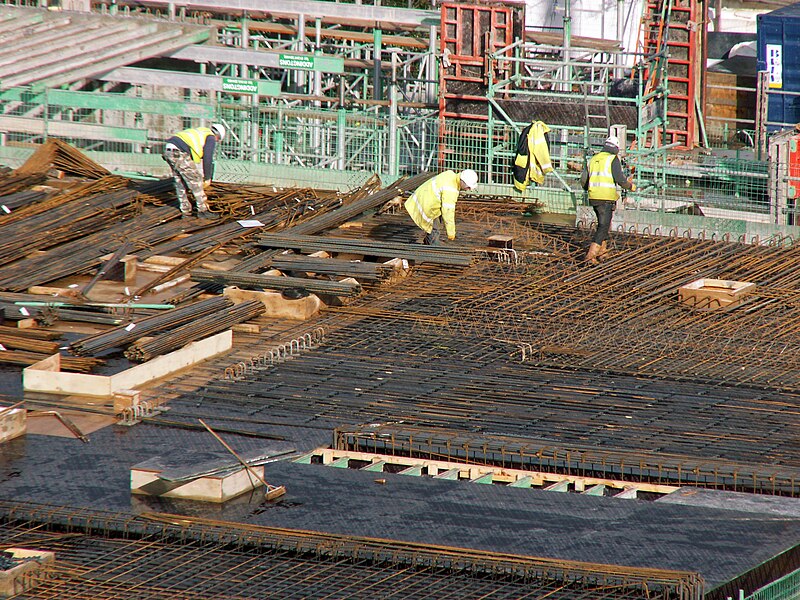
x=111, y=555
x=549, y=456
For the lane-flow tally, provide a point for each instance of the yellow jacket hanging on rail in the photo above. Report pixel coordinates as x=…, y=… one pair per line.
x=533, y=156
x=433, y=199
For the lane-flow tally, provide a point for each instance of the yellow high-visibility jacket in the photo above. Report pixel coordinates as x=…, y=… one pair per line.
x=532, y=162
x=196, y=140
x=436, y=198
x=601, y=180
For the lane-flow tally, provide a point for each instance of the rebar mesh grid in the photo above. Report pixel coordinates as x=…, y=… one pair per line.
x=444, y=348
x=625, y=316
x=109, y=555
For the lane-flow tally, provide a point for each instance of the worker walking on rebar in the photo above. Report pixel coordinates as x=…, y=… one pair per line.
x=600, y=178
x=435, y=201
x=190, y=156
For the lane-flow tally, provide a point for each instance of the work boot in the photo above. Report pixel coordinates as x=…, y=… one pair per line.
x=208, y=215
x=591, y=255
x=604, y=250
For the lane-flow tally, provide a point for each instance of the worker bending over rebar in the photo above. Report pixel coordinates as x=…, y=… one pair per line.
x=600, y=178
x=190, y=156
x=435, y=201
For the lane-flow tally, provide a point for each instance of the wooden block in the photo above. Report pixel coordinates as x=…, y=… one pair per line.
x=331, y=300
x=126, y=399
x=26, y=575
x=27, y=323
x=710, y=294
x=400, y=266
x=276, y=305
x=169, y=261
x=214, y=266
x=247, y=328
x=124, y=270
x=154, y=268
x=211, y=488
x=501, y=241
x=54, y=291
x=13, y=423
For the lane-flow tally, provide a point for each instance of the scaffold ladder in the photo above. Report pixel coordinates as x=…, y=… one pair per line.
x=669, y=31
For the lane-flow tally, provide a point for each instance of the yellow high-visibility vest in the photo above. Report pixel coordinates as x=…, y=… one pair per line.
x=195, y=139
x=436, y=198
x=601, y=181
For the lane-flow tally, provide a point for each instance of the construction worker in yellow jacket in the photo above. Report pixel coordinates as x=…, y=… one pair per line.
x=435, y=201
x=190, y=156
x=600, y=178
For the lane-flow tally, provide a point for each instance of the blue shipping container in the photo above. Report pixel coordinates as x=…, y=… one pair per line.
x=779, y=53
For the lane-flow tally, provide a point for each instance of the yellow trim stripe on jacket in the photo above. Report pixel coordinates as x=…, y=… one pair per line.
x=436, y=198
x=195, y=139
x=536, y=164
x=601, y=181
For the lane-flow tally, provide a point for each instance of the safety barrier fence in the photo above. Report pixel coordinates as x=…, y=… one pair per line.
x=325, y=143
x=785, y=588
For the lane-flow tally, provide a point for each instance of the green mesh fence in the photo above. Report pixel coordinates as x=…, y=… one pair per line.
x=785, y=588
x=274, y=142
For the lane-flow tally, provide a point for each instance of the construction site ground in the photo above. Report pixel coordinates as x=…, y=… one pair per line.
x=525, y=352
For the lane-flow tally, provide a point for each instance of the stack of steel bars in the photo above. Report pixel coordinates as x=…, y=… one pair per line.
x=277, y=282
x=124, y=335
x=442, y=255
x=60, y=155
x=68, y=363
x=364, y=271
x=199, y=328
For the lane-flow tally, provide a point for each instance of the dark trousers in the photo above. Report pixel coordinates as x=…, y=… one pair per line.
x=432, y=238
x=604, y=210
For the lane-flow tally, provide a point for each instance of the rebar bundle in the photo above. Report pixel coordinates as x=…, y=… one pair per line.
x=60, y=155
x=16, y=342
x=441, y=255
x=83, y=254
x=277, y=282
x=123, y=335
x=197, y=329
x=65, y=217
x=366, y=271
x=15, y=192
x=68, y=363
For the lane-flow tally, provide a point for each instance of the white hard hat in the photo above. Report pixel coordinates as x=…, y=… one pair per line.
x=612, y=140
x=470, y=178
x=218, y=130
